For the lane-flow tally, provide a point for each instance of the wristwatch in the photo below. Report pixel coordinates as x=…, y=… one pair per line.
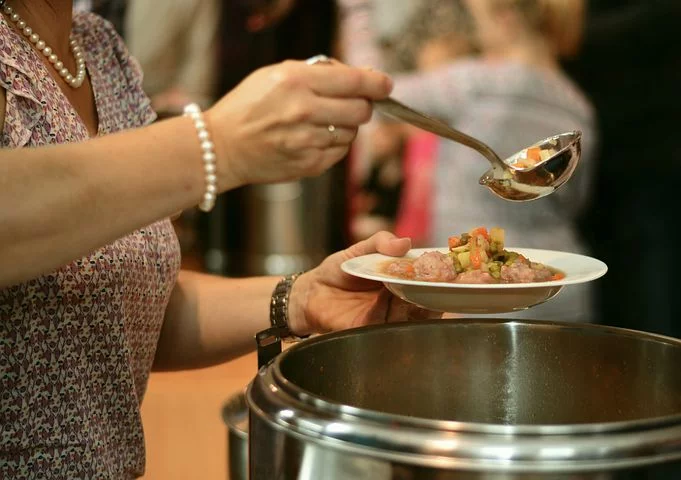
x=279, y=304
x=269, y=341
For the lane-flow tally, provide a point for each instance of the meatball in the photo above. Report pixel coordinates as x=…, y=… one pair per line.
x=522, y=272
x=476, y=277
x=434, y=267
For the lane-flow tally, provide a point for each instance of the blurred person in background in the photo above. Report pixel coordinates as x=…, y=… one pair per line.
x=630, y=65
x=510, y=96
x=112, y=10
x=376, y=202
x=401, y=157
x=179, y=55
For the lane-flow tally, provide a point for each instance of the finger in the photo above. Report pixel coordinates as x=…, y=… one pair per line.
x=381, y=242
x=339, y=80
x=333, y=136
x=381, y=309
x=398, y=311
x=349, y=112
x=320, y=137
x=417, y=313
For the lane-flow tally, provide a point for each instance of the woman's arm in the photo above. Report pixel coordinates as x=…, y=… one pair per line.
x=212, y=319
x=59, y=203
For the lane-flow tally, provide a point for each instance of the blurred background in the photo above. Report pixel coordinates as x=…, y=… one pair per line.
x=507, y=71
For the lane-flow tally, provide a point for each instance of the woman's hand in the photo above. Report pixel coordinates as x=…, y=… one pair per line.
x=275, y=126
x=328, y=299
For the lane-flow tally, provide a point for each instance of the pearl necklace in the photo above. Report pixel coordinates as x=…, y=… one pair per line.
x=74, y=81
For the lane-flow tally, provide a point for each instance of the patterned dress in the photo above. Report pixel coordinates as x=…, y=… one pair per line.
x=77, y=344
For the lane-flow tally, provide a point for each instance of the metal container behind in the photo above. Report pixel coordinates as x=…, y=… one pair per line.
x=287, y=226
x=235, y=416
x=470, y=399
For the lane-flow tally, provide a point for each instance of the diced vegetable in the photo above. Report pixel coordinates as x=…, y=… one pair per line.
x=476, y=258
x=457, y=264
x=478, y=254
x=481, y=231
x=454, y=241
x=497, y=235
x=534, y=154
x=464, y=259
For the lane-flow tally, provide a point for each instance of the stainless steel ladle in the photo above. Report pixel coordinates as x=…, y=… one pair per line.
x=513, y=179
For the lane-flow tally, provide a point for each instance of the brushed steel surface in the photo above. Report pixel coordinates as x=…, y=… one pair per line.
x=470, y=399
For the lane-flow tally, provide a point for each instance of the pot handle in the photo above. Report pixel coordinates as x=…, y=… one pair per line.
x=269, y=344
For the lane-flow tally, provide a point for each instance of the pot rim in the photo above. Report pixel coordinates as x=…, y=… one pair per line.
x=309, y=419
x=329, y=406
x=235, y=410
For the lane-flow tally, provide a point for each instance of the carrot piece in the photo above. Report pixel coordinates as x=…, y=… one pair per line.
x=482, y=231
x=476, y=258
x=454, y=241
x=558, y=276
x=476, y=251
x=534, y=154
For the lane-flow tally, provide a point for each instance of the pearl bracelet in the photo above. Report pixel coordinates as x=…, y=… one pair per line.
x=208, y=156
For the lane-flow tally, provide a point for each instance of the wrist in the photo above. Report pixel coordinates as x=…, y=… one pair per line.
x=287, y=307
x=298, y=302
x=208, y=157
x=227, y=178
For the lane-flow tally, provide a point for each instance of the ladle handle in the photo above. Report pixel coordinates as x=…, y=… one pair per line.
x=398, y=110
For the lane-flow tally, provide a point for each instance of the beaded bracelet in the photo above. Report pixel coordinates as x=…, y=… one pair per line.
x=193, y=111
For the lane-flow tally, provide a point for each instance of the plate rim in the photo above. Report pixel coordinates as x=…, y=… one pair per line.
x=596, y=274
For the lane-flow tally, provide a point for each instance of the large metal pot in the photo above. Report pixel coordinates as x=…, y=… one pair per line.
x=235, y=416
x=470, y=399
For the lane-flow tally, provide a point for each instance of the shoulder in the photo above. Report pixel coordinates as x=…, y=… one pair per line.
x=100, y=38
x=118, y=72
x=545, y=86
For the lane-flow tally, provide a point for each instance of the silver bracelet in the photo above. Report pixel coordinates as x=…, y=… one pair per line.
x=193, y=111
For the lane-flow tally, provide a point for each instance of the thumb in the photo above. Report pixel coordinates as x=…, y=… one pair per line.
x=381, y=242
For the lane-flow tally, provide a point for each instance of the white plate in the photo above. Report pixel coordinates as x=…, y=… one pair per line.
x=475, y=298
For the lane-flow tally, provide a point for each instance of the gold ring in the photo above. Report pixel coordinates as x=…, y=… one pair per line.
x=332, y=131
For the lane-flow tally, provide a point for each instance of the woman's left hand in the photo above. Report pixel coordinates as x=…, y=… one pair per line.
x=328, y=299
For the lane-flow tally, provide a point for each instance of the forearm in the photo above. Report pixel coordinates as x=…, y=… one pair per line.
x=212, y=319
x=59, y=203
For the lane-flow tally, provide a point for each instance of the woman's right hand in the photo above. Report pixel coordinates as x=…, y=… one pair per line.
x=274, y=126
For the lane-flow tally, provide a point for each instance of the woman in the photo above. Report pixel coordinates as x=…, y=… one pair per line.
x=510, y=96
x=91, y=296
